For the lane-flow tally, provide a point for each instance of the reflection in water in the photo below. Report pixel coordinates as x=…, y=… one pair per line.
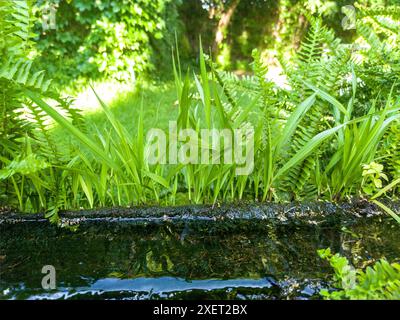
x=239, y=259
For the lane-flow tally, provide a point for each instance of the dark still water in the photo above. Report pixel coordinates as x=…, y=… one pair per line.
x=185, y=259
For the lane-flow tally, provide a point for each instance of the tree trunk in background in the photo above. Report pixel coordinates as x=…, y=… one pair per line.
x=300, y=31
x=223, y=24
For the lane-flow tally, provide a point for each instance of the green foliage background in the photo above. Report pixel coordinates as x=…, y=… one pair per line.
x=104, y=38
x=122, y=40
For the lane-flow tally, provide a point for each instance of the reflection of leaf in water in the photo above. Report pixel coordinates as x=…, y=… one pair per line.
x=352, y=233
x=158, y=263
x=116, y=274
x=152, y=264
x=376, y=236
x=272, y=232
x=264, y=261
x=169, y=263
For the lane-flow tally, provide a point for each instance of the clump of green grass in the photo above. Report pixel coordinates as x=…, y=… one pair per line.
x=113, y=169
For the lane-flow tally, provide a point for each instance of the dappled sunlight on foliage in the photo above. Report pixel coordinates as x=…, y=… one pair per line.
x=101, y=39
x=158, y=101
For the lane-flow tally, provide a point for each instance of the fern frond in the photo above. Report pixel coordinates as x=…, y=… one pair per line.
x=19, y=71
x=324, y=62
